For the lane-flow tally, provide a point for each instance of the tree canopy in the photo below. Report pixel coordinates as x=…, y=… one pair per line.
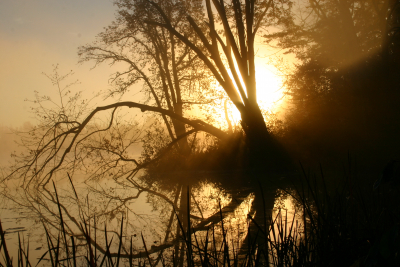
x=344, y=86
x=175, y=50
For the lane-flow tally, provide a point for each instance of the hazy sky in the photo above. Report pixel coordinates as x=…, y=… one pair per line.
x=34, y=35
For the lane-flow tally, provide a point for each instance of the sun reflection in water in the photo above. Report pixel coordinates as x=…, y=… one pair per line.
x=286, y=218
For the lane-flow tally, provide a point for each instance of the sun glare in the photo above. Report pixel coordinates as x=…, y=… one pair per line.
x=269, y=96
x=269, y=87
x=269, y=91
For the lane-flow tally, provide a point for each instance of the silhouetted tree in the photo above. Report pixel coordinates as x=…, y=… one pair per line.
x=225, y=40
x=166, y=47
x=344, y=87
x=170, y=74
x=168, y=70
x=339, y=33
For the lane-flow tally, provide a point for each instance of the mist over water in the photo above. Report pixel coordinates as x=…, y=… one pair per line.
x=173, y=153
x=148, y=212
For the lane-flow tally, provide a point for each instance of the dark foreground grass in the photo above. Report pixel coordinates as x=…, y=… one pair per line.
x=348, y=226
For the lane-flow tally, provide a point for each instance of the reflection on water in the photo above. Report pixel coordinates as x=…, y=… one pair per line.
x=15, y=221
x=217, y=216
x=287, y=215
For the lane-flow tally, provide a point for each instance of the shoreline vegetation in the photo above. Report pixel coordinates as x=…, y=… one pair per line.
x=351, y=225
x=192, y=62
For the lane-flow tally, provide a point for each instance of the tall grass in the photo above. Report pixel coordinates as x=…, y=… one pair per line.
x=348, y=226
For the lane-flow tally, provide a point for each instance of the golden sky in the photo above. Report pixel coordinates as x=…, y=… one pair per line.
x=34, y=35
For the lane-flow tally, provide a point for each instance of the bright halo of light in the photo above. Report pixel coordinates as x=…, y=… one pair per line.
x=269, y=87
x=269, y=91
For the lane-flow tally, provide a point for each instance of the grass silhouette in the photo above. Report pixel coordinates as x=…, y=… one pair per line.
x=347, y=226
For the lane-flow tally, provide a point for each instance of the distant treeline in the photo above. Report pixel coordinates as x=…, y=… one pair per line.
x=9, y=141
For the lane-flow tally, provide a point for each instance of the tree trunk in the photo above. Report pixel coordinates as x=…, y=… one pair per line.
x=265, y=153
x=180, y=129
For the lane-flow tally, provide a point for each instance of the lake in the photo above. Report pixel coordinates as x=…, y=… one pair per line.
x=148, y=209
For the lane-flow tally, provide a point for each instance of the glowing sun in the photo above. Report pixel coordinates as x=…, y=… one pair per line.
x=269, y=91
